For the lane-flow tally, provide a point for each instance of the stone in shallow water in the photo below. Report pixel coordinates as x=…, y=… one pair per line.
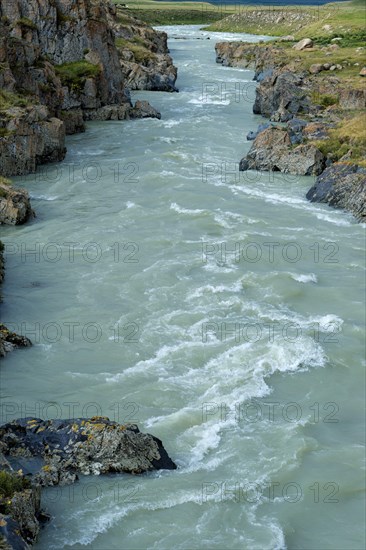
x=87, y=446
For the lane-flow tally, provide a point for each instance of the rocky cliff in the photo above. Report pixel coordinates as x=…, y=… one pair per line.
x=144, y=54
x=59, y=66
x=317, y=117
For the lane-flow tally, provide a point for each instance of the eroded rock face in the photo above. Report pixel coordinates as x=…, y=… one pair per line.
x=15, y=207
x=20, y=510
x=272, y=151
x=82, y=446
x=342, y=186
x=144, y=54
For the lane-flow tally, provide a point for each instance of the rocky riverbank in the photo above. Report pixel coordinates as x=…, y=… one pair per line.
x=63, y=62
x=57, y=451
x=316, y=112
x=59, y=66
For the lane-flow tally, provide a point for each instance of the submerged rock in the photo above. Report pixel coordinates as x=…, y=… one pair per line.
x=82, y=446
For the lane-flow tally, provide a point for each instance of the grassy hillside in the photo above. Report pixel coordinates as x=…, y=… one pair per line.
x=344, y=17
x=177, y=13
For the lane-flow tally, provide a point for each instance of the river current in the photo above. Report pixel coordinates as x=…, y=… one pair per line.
x=222, y=312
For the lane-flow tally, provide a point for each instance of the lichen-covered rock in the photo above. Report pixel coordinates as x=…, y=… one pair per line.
x=10, y=340
x=272, y=150
x=83, y=446
x=15, y=207
x=342, y=186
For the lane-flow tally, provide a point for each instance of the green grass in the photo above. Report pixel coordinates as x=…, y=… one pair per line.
x=136, y=46
x=344, y=18
x=4, y=181
x=10, y=483
x=350, y=134
x=176, y=13
x=325, y=100
x=25, y=22
x=75, y=74
x=9, y=100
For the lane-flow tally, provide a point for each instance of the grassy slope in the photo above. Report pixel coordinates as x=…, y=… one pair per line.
x=176, y=13
x=343, y=17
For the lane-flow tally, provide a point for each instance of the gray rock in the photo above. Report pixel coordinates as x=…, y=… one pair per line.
x=83, y=446
x=342, y=186
x=316, y=68
x=15, y=207
x=252, y=135
x=303, y=44
x=143, y=109
x=272, y=151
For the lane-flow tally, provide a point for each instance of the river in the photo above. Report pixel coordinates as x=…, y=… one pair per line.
x=222, y=312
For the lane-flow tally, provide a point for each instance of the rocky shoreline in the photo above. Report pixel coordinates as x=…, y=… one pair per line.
x=57, y=452
x=62, y=63
x=304, y=113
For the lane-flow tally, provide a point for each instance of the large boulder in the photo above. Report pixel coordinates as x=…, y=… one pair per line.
x=303, y=44
x=10, y=340
x=342, y=186
x=272, y=150
x=281, y=96
x=82, y=446
x=15, y=207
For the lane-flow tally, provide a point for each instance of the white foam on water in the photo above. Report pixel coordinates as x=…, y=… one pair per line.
x=304, y=278
x=211, y=289
x=174, y=206
x=44, y=197
x=335, y=219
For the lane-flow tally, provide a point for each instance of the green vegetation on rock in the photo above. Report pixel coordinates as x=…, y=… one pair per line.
x=28, y=23
x=10, y=99
x=349, y=135
x=137, y=47
x=11, y=483
x=75, y=74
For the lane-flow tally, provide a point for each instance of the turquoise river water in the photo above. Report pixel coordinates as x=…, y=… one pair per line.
x=220, y=311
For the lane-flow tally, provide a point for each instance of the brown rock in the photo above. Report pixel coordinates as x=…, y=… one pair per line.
x=303, y=44
x=316, y=68
x=15, y=207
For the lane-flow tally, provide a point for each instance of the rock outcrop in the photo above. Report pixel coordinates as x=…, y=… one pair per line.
x=10, y=341
x=342, y=186
x=328, y=130
x=15, y=207
x=20, y=508
x=85, y=446
x=144, y=54
x=59, y=66
x=272, y=151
